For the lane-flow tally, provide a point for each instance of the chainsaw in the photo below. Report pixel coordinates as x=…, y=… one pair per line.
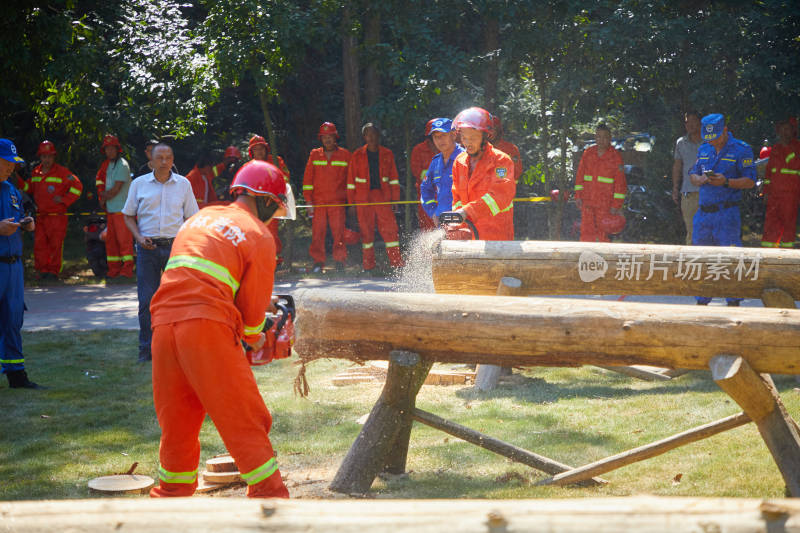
x=456, y=227
x=279, y=332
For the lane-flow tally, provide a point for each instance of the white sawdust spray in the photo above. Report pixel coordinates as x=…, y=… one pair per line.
x=417, y=275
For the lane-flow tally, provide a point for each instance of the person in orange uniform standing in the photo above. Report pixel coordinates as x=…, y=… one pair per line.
x=202, y=176
x=213, y=295
x=54, y=188
x=506, y=147
x=421, y=156
x=119, y=240
x=483, y=178
x=259, y=150
x=372, y=178
x=782, y=187
x=325, y=182
x=600, y=185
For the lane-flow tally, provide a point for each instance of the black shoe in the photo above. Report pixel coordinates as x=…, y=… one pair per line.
x=367, y=273
x=18, y=379
x=339, y=266
x=317, y=268
x=702, y=303
x=734, y=303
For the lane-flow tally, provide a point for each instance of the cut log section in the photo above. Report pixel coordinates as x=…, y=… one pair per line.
x=223, y=463
x=221, y=477
x=122, y=484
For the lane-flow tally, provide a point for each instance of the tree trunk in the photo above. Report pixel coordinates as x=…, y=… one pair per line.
x=491, y=47
x=411, y=190
x=372, y=34
x=351, y=86
x=263, y=98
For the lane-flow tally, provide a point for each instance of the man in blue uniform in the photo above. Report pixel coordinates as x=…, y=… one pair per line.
x=724, y=166
x=12, y=221
x=436, y=191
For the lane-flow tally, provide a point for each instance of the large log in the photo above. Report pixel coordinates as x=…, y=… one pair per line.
x=556, y=268
x=512, y=331
x=240, y=515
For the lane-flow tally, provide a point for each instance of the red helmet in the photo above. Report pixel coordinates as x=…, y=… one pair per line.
x=328, y=128
x=259, y=178
x=46, y=147
x=611, y=223
x=475, y=118
x=764, y=153
x=256, y=140
x=111, y=140
x=497, y=127
x=428, y=127
x=232, y=151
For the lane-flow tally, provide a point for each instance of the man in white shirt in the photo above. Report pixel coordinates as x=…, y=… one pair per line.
x=158, y=203
x=684, y=193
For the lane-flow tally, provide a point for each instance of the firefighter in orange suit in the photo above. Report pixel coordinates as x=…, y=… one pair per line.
x=54, y=188
x=782, y=187
x=202, y=176
x=421, y=156
x=600, y=185
x=213, y=295
x=483, y=178
x=506, y=147
x=325, y=182
x=259, y=150
x=372, y=178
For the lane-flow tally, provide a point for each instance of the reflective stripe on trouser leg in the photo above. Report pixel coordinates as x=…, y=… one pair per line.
x=261, y=473
x=366, y=226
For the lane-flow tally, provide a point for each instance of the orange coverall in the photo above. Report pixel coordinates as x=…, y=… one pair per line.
x=201, y=179
x=486, y=195
x=358, y=191
x=273, y=226
x=601, y=186
x=421, y=156
x=511, y=150
x=214, y=293
x=51, y=224
x=782, y=187
x=100, y=178
x=325, y=182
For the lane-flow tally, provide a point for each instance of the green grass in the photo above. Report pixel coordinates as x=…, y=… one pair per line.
x=97, y=418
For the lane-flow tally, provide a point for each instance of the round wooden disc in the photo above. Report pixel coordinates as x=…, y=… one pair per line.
x=221, y=464
x=122, y=484
x=221, y=477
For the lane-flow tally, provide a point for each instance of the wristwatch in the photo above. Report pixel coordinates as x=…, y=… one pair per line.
x=726, y=182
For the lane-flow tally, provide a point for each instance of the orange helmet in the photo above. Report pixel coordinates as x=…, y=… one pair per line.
x=328, y=128
x=111, y=140
x=256, y=140
x=232, y=151
x=611, y=223
x=475, y=118
x=46, y=147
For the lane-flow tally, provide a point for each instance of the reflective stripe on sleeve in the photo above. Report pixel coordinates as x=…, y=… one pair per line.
x=361, y=180
x=320, y=163
x=579, y=187
x=619, y=195
x=789, y=171
x=255, y=330
x=261, y=473
x=308, y=187
x=603, y=179
x=351, y=185
x=338, y=163
x=588, y=178
x=177, y=477
x=215, y=171
x=394, y=182
x=457, y=205
x=790, y=157
x=74, y=191
x=490, y=203
x=214, y=270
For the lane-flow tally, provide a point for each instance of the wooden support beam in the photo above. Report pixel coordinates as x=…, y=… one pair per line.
x=757, y=396
x=515, y=453
x=778, y=298
x=382, y=444
x=647, y=451
x=553, y=268
x=512, y=331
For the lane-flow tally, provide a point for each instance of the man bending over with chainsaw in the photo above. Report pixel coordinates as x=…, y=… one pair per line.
x=483, y=181
x=214, y=294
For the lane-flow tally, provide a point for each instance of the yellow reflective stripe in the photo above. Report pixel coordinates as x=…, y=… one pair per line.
x=619, y=195
x=392, y=244
x=367, y=245
x=214, y=270
x=361, y=180
x=97, y=182
x=53, y=179
x=728, y=159
x=338, y=163
x=36, y=179
x=308, y=187
x=384, y=180
x=113, y=258
x=587, y=178
x=579, y=187
x=789, y=171
x=215, y=171
x=767, y=182
x=767, y=244
x=487, y=198
x=394, y=182
x=787, y=244
x=509, y=208
x=431, y=202
x=320, y=163
x=75, y=191
x=12, y=361
x=177, y=477
x=25, y=186
x=423, y=174
x=255, y=330
x=351, y=186
x=457, y=205
x=790, y=157
x=127, y=257
x=261, y=473
x=603, y=179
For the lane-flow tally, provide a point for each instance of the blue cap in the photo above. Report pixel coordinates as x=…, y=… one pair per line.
x=9, y=152
x=441, y=124
x=711, y=126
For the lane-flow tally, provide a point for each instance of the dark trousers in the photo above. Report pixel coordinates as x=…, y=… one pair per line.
x=150, y=265
x=11, y=307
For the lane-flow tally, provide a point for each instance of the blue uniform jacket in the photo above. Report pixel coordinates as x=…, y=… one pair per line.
x=11, y=207
x=436, y=190
x=735, y=160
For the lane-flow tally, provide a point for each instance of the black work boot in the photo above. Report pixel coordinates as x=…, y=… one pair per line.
x=734, y=303
x=18, y=379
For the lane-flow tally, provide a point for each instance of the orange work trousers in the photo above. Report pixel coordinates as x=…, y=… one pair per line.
x=119, y=246
x=323, y=218
x=368, y=215
x=199, y=367
x=48, y=242
x=273, y=228
x=590, y=230
x=780, y=222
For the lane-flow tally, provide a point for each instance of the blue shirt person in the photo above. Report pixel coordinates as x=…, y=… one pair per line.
x=724, y=167
x=12, y=284
x=436, y=191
